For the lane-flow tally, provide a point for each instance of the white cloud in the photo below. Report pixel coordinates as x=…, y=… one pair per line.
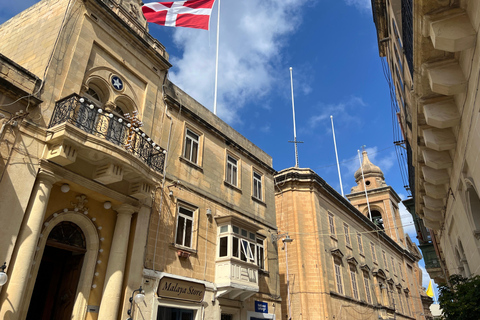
x=360, y=4
x=252, y=34
x=335, y=109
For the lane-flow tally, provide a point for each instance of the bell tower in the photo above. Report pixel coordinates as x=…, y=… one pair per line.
x=383, y=200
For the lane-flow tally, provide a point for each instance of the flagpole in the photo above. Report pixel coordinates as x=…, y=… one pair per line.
x=294, y=128
x=216, y=62
x=364, y=186
x=336, y=155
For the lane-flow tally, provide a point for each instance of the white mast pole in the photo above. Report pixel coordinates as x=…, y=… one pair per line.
x=336, y=155
x=216, y=61
x=294, y=128
x=364, y=186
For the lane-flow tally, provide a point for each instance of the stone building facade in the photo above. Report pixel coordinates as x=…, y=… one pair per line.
x=340, y=264
x=115, y=182
x=431, y=50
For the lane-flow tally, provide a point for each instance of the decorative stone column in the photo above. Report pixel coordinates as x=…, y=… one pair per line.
x=112, y=290
x=11, y=299
x=135, y=272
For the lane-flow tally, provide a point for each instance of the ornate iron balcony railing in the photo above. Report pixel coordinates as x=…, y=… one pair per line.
x=86, y=116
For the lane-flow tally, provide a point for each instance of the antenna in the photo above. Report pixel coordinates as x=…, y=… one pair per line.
x=336, y=155
x=294, y=128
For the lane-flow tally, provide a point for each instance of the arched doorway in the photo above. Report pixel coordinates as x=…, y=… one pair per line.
x=58, y=275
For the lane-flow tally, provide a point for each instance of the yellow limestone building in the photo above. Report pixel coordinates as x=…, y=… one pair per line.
x=115, y=184
x=431, y=49
x=340, y=264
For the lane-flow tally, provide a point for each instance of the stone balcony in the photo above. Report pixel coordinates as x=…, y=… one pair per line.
x=236, y=279
x=105, y=147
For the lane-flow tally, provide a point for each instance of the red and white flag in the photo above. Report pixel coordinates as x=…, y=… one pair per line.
x=188, y=14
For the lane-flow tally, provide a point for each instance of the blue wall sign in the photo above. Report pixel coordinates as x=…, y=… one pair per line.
x=261, y=306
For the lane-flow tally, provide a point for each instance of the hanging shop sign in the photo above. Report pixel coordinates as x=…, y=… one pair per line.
x=181, y=289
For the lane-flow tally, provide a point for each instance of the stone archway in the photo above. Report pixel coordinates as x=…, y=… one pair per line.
x=54, y=293
x=86, y=266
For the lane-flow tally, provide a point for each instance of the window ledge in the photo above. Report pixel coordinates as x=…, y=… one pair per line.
x=349, y=246
x=191, y=164
x=334, y=238
x=259, y=201
x=228, y=184
x=186, y=249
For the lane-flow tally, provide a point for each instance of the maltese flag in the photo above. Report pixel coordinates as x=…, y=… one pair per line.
x=188, y=14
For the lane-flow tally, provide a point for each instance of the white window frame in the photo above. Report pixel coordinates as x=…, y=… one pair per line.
x=186, y=218
x=194, y=139
x=247, y=245
x=261, y=253
x=257, y=190
x=231, y=170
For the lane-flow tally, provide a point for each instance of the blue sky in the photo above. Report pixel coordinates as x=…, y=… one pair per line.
x=331, y=46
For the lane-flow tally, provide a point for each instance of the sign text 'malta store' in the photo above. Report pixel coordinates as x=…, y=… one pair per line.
x=181, y=289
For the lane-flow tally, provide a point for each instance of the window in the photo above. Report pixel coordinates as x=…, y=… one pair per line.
x=366, y=281
x=257, y=185
x=400, y=268
x=360, y=242
x=331, y=222
x=353, y=278
x=241, y=244
x=393, y=265
x=93, y=94
x=390, y=294
x=192, y=141
x=175, y=313
x=400, y=300
x=384, y=260
x=261, y=253
x=338, y=275
x=347, y=234
x=407, y=302
x=374, y=256
x=183, y=236
x=232, y=170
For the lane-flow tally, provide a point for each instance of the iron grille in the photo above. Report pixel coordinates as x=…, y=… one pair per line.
x=407, y=32
x=117, y=130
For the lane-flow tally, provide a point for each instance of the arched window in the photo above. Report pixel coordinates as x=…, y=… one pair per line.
x=67, y=234
x=377, y=218
x=473, y=205
x=93, y=94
